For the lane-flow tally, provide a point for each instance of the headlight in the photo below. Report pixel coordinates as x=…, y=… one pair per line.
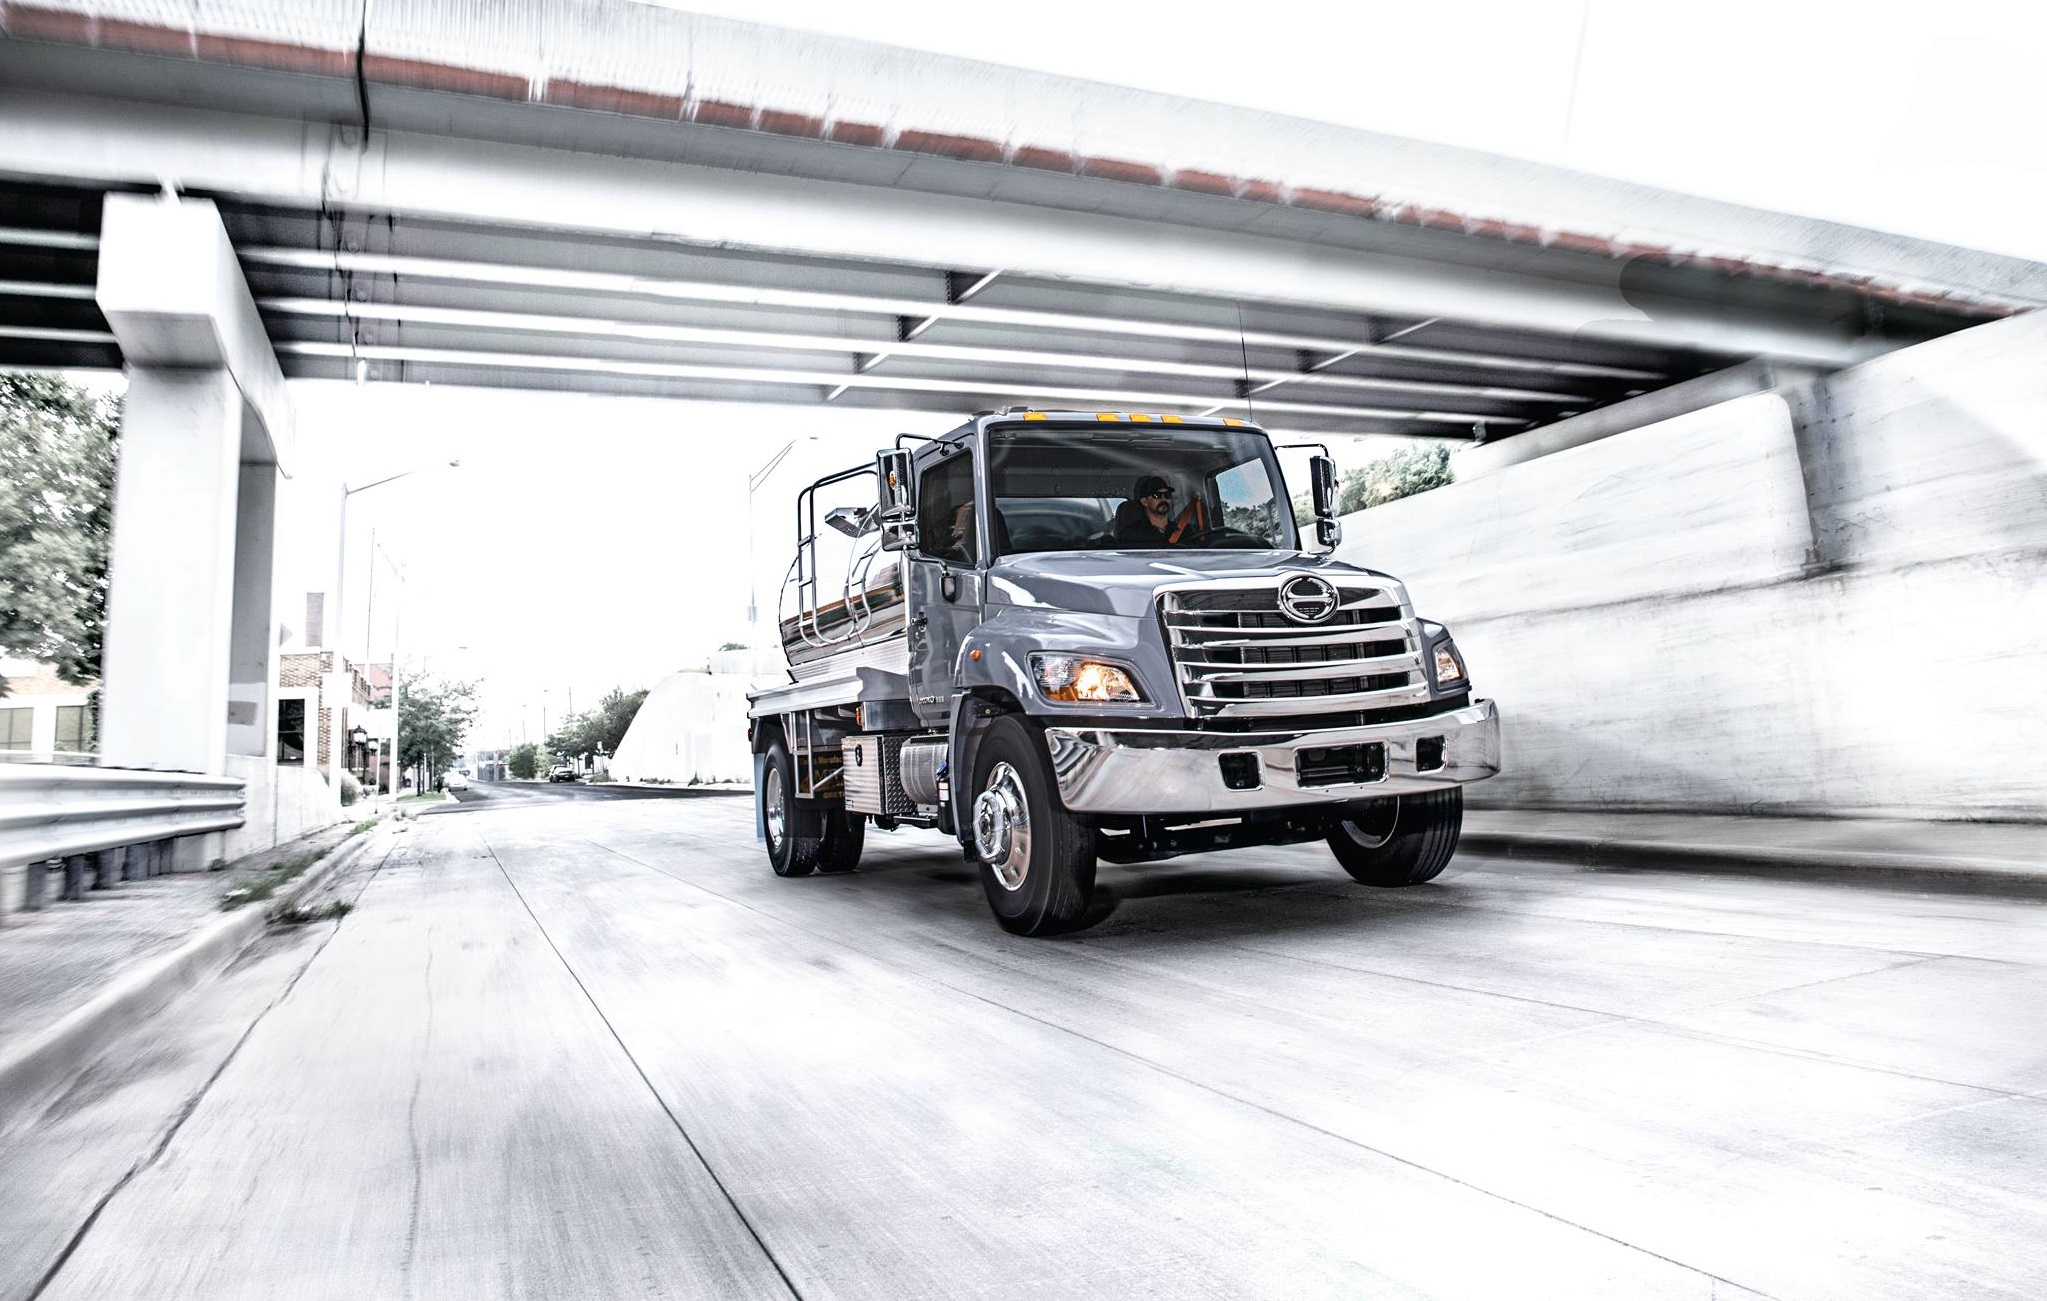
x=1447, y=669
x=1074, y=678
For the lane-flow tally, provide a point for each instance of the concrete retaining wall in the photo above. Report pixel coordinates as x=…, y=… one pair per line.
x=284, y=802
x=1829, y=598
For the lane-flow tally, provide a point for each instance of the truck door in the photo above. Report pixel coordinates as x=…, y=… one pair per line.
x=944, y=578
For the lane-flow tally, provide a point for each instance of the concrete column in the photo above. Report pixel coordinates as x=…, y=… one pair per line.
x=204, y=436
x=252, y=640
x=1825, y=464
x=170, y=599
x=107, y=868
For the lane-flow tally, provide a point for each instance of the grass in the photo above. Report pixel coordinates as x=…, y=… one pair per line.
x=360, y=827
x=331, y=911
x=265, y=885
x=429, y=798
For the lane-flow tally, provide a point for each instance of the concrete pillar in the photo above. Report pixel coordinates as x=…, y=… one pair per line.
x=1825, y=464
x=204, y=436
x=33, y=877
x=251, y=640
x=107, y=868
x=170, y=598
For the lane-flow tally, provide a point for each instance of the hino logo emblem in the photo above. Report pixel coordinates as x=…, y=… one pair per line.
x=1307, y=599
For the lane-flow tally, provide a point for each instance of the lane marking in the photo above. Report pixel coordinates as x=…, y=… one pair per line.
x=659, y=1101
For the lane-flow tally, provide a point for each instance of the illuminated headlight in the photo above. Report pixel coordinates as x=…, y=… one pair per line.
x=1072, y=679
x=1446, y=667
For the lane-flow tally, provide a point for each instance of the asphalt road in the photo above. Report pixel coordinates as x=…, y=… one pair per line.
x=576, y=1044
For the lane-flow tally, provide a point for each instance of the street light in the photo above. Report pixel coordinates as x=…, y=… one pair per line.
x=753, y=483
x=341, y=552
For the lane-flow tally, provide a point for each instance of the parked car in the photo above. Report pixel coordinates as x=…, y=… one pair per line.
x=561, y=772
x=454, y=780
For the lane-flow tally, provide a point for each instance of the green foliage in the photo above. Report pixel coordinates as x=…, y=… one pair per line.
x=267, y=883
x=433, y=716
x=605, y=726
x=57, y=454
x=1403, y=474
x=331, y=911
x=351, y=789
x=733, y=645
x=524, y=761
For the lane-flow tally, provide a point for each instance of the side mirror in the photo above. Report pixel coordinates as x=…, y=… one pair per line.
x=1322, y=477
x=898, y=500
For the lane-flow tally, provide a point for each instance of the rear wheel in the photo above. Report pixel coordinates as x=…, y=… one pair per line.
x=844, y=835
x=1399, y=840
x=1037, y=860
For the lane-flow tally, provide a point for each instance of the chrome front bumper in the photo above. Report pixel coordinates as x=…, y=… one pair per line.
x=1112, y=770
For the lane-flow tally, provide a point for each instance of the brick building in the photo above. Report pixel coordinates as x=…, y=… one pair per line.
x=44, y=718
x=321, y=700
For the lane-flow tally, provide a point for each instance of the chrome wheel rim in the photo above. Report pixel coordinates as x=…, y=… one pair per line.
x=1002, y=827
x=774, y=808
x=1375, y=829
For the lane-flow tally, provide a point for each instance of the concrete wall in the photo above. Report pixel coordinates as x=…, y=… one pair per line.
x=284, y=802
x=692, y=728
x=1830, y=598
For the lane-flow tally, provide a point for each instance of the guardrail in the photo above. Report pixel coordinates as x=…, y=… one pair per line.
x=116, y=823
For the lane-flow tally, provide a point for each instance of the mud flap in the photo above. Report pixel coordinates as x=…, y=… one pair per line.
x=760, y=810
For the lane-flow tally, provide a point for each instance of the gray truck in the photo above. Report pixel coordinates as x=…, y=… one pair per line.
x=1064, y=637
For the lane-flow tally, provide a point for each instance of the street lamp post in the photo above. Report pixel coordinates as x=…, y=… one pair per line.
x=753, y=483
x=341, y=552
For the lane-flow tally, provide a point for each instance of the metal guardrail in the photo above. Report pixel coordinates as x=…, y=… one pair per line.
x=118, y=821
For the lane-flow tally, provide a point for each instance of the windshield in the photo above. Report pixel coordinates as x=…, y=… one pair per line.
x=1135, y=489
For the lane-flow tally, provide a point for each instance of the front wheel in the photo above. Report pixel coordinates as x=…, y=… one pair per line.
x=788, y=853
x=1399, y=840
x=1037, y=860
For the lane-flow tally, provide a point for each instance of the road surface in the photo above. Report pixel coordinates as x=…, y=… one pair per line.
x=578, y=1043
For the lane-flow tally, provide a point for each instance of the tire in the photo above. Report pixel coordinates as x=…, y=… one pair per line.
x=844, y=835
x=789, y=854
x=1041, y=881
x=1399, y=840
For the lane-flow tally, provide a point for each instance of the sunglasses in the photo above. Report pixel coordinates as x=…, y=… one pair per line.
x=1158, y=492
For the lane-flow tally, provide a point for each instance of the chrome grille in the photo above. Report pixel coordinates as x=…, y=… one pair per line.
x=1236, y=656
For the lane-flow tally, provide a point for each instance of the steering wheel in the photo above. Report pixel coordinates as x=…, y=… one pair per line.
x=1229, y=538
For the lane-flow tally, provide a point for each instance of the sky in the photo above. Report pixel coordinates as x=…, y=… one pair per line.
x=592, y=542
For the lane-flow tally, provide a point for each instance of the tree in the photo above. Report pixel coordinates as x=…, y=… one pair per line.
x=57, y=455
x=1403, y=474
x=603, y=727
x=523, y=762
x=433, y=717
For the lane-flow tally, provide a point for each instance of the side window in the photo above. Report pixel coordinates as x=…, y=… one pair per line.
x=14, y=727
x=74, y=730
x=945, y=510
x=291, y=731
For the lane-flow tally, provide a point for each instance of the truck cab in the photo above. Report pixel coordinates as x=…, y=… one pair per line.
x=1067, y=637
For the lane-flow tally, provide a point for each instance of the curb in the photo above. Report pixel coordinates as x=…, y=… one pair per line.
x=1956, y=871
x=59, y=1051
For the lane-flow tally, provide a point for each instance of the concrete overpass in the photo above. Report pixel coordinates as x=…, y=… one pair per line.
x=607, y=197
x=612, y=197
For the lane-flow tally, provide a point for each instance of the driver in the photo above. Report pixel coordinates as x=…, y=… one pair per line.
x=1146, y=519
